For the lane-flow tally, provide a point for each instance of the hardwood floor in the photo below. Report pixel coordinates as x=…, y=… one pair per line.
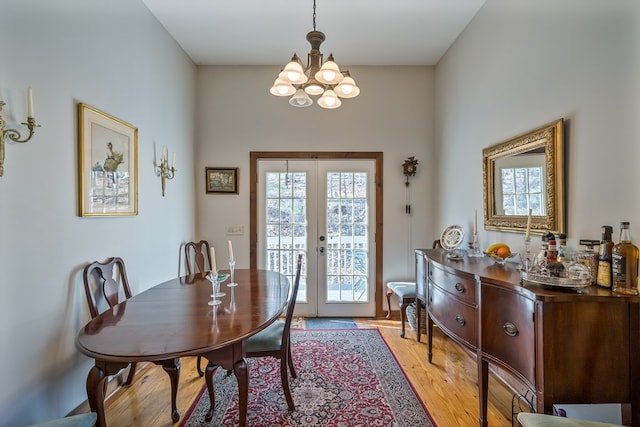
x=448, y=386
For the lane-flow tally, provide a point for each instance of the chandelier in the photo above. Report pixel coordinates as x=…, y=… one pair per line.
x=316, y=78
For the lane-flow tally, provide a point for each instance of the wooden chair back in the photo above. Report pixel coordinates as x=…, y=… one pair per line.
x=291, y=304
x=105, y=281
x=197, y=257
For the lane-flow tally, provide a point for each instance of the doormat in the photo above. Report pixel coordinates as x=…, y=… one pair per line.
x=346, y=378
x=329, y=323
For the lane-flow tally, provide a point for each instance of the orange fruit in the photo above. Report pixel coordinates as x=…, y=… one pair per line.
x=503, y=252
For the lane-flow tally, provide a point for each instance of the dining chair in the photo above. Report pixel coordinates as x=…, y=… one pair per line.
x=199, y=254
x=196, y=253
x=102, y=282
x=275, y=340
x=106, y=285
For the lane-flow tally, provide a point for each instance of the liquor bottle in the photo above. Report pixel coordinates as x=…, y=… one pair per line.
x=604, y=257
x=562, y=247
x=625, y=263
x=541, y=258
x=552, y=251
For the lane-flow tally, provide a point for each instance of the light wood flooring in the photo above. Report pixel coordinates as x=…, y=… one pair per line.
x=448, y=386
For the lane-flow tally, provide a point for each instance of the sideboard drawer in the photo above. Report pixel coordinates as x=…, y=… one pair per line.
x=462, y=287
x=508, y=329
x=453, y=315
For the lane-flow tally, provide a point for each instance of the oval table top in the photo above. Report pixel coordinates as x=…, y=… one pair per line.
x=174, y=319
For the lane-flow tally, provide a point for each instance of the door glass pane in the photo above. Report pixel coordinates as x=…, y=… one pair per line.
x=347, y=240
x=286, y=225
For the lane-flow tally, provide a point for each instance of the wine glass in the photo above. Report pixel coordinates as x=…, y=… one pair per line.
x=215, y=285
x=232, y=267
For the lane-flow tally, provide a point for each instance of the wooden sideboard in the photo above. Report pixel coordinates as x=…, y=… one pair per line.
x=565, y=346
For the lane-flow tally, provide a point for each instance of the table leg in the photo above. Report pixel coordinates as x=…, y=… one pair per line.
x=242, y=375
x=208, y=376
x=172, y=367
x=95, y=393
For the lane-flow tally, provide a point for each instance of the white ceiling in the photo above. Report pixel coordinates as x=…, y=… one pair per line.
x=358, y=32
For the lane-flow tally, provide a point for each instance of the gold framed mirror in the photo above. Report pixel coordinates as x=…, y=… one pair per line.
x=526, y=172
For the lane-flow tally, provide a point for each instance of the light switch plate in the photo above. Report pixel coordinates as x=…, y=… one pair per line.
x=235, y=230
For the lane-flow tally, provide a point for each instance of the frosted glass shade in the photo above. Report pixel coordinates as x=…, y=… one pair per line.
x=293, y=72
x=347, y=88
x=329, y=100
x=329, y=73
x=282, y=88
x=300, y=99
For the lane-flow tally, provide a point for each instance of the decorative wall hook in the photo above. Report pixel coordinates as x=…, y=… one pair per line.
x=163, y=170
x=13, y=134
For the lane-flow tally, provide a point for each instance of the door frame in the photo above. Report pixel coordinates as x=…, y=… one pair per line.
x=255, y=156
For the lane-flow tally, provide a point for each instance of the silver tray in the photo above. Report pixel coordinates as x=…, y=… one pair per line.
x=562, y=282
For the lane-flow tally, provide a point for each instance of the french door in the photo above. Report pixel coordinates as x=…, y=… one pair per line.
x=324, y=209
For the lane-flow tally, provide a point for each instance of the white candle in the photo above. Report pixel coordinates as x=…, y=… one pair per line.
x=230, y=252
x=475, y=222
x=174, y=160
x=214, y=267
x=527, y=235
x=154, y=155
x=30, y=103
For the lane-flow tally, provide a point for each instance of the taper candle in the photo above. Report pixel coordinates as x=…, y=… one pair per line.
x=230, y=251
x=475, y=222
x=173, y=163
x=214, y=267
x=527, y=235
x=30, y=102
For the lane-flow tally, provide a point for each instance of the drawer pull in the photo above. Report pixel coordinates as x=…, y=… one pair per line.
x=460, y=320
x=459, y=287
x=510, y=329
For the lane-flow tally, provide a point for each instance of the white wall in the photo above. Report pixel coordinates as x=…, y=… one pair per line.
x=116, y=57
x=393, y=114
x=521, y=64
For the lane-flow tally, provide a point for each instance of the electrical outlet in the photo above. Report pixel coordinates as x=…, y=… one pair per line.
x=235, y=230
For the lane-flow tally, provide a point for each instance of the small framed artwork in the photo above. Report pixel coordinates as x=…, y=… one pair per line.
x=222, y=180
x=107, y=164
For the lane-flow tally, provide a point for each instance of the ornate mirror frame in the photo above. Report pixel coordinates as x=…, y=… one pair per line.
x=551, y=138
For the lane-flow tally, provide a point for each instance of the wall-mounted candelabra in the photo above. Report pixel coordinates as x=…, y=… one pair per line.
x=13, y=134
x=163, y=170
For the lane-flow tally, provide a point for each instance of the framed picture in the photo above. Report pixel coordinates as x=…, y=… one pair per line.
x=222, y=180
x=107, y=164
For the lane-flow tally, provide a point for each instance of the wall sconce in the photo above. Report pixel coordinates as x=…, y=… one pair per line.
x=14, y=134
x=163, y=170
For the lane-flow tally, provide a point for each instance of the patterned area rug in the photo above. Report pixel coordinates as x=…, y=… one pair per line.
x=346, y=378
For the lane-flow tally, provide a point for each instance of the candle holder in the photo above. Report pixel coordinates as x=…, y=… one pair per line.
x=232, y=267
x=474, y=247
x=13, y=134
x=163, y=170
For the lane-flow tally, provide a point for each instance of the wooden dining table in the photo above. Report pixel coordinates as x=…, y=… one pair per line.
x=173, y=320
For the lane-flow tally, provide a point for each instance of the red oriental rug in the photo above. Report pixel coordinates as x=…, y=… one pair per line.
x=346, y=378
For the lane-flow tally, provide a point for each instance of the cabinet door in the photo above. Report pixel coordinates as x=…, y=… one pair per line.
x=508, y=329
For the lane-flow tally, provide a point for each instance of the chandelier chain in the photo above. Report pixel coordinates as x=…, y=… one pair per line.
x=314, y=15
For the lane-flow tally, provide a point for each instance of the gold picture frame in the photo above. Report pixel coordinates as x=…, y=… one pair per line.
x=221, y=180
x=107, y=164
x=547, y=143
